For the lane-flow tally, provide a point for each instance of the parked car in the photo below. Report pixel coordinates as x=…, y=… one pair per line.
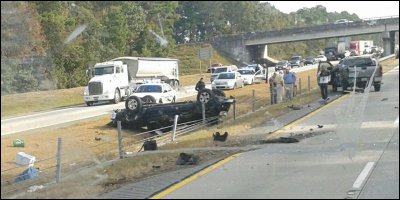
x=364, y=66
x=218, y=70
x=309, y=61
x=228, y=80
x=154, y=93
x=320, y=58
x=296, y=61
x=342, y=21
x=282, y=65
x=248, y=75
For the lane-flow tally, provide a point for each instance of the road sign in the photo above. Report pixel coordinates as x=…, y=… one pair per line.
x=205, y=53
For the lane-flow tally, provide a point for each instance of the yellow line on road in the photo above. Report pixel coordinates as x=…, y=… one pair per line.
x=194, y=177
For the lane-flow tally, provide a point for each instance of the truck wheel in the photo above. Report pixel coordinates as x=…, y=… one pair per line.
x=377, y=87
x=205, y=95
x=133, y=104
x=148, y=99
x=117, y=97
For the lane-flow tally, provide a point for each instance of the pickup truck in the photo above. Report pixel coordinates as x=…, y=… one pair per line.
x=359, y=69
x=154, y=116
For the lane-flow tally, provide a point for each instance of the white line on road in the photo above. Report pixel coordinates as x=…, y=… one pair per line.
x=363, y=175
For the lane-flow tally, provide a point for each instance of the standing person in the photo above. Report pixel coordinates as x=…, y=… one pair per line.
x=324, y=77
x=200, y=85
x=289, y=80
x=272, y=88
x=279, y=86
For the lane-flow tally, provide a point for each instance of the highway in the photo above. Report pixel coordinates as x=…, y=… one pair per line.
x=356, y=155
x=77, y=113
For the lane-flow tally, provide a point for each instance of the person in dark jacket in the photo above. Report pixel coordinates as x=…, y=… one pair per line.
x=200, y=85
x=324, y=77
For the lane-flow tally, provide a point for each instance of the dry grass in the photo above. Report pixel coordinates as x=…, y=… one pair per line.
x=17, y=104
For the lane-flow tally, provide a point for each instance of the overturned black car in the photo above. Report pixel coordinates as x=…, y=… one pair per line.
x=154, y=116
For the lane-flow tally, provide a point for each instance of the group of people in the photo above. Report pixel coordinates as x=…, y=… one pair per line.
x=282, y=84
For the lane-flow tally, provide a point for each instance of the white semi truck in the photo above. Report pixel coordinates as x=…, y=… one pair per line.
x=117, y=78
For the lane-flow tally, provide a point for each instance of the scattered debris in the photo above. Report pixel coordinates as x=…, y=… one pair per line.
x=308, y=105
x=311, y=129
x=396, y=107
x=187, y=159
x=25, y=159
x=150, y=145
x=27, y=174
x=97, y=138
x=384, y=99
x=320, y=126
x=18, y=143
x=156, y=166
x=218, y=137
x=33, y=188
x=295, y=107
x=72, y=164
x=158, y=132
x=282, y=140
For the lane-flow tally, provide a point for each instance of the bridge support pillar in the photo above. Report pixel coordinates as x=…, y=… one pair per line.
x=388, y=42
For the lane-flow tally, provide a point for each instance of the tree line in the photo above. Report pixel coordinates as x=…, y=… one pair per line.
x=49, y=44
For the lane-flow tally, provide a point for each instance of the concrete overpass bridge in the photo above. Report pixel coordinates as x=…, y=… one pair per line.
x=250, y=47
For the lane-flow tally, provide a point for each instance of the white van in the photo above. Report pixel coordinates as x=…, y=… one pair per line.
x=218, y=70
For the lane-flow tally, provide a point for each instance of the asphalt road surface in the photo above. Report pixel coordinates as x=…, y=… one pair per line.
x=355, y=155
x=81, y=112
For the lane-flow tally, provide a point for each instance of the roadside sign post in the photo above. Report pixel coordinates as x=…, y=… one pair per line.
x=205, y=54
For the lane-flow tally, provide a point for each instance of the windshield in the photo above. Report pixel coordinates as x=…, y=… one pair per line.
x=149, y=89
x=246, y=72
x=103, y=70
x=220, y=70
x=359, y=62
x=295, y=58
x=226, y=76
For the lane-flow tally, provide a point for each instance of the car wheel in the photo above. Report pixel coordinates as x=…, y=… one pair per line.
x=117, y=96
x=219, y=92
x=377, y=87
x=148, y=99
x=205, y=96
x=89, y=103
x=133, y=104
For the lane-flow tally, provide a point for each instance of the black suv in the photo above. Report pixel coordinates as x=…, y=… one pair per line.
x=138, y=113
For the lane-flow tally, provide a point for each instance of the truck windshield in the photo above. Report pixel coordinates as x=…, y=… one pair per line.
x=103, y=70
x=359, y=62
x=149, y=88
x=219, y=70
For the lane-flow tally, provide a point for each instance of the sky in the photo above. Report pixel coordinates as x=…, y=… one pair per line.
x=364, y=9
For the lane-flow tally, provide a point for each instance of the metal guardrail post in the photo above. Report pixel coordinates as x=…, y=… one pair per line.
x=309, y=83
x=174, y=129
x=254, y=100
x=58, y=169
x=299, y=85
x=234, y=109
x=120, y=140
x=203, y=111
